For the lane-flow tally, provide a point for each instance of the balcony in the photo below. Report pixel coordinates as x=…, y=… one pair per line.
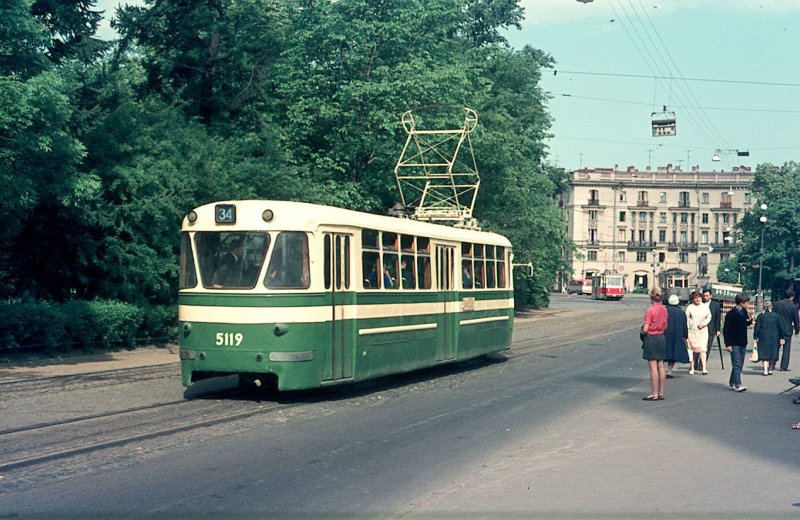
x=683, y=246
x=641, y=245
x=642, y=203
x=593, y=202
x=722, y=247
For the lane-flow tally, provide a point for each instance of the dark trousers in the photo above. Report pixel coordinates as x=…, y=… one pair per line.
x=737, y=361
x=787, y=350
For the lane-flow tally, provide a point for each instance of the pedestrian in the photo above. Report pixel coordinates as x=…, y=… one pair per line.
x=788, y=310
x=698, y=316
x=768, y=337
x=716, y=320
x=654, y=345
x=675, y=336
x=734, y=331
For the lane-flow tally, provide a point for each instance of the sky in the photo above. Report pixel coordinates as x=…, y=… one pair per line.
x=729, y=70
x=608, y=54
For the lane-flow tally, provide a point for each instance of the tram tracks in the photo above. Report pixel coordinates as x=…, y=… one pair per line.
x=42, y=443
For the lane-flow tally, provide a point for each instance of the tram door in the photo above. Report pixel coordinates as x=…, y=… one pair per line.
x=338, y=285
x=445, y=285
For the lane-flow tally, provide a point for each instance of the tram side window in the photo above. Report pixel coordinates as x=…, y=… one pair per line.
x=424, y=263
x=407, y=268
x=490, y=267
x=337, y=268
x=188, y=278
x=370, y=259
x=390, y=271
x=289, y=264
x=501, y=267
x=327, y=263
x=231, y=260
x=480, y=271
x=467, y=275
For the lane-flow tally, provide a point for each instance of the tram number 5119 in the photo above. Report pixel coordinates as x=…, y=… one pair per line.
x=229, y=339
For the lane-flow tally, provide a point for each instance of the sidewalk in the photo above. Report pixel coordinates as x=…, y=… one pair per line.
x=16, y=367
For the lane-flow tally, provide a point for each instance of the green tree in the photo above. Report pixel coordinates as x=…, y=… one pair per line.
x=778, y=188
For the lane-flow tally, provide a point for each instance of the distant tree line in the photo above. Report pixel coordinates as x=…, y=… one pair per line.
x=104, y=146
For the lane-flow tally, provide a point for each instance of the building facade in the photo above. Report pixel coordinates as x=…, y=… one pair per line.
x=659, y=226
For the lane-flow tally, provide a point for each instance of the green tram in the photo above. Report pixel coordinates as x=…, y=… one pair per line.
x=301, y=296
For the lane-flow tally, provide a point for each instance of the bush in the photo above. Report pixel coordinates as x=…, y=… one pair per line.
x=33, y=325
x=160, y=323
x=527, y=293
x=76, y=324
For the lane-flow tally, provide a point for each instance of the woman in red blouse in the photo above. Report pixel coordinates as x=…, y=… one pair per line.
x=654, y=345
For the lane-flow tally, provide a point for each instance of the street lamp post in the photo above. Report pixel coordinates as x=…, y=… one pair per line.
x=655, y=280
x=759, y=294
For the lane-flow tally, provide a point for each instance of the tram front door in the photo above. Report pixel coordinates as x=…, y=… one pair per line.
x=337, y=285
x=445, y=285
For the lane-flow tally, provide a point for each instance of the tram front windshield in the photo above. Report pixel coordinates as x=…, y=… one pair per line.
x=231, y=260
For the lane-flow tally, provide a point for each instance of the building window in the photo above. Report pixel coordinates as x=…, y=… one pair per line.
x=641, y=256
x=662, y=235
x=704, y=236
x=662, y=217
x=662, y=257
x=726, y=218
x=705, y=198
x=724, y=257
x=683, y=237
x=747, y=199
x=621, y=235
x=704, y=218
x=622, y=216
x=591, y=255
x=725, y=200
x=620, y=256
x=623, y=196
x=674, y=218
x=683, y=199
x=684, y=218
x=683, y=257
x=641, y=235
x=592, y=214
x=662, y=197
x=642, y=199
x=592, y=236
x=594, y=197
x=642, y=217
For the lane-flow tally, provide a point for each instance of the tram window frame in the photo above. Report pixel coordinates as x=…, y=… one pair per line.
x=188, y=274
x=467, y=274
x=370, y=259
x=388, y=241
x=479, y=278
x=213, y=248
x=501, y=267
x=326, y=251
x=391, y=267
x=491, y=268
x=297, y=280
x=424, y=273
x=408, y=275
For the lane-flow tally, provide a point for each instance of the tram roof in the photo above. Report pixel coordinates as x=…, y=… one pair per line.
x=303, y=216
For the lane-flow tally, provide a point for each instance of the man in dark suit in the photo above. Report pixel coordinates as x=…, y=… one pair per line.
x=788, y=311
x=229, y=272
x=716, y=319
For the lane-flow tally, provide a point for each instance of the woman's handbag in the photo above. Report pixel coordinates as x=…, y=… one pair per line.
x=754, y=354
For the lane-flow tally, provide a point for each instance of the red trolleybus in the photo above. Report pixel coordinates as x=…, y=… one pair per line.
x=607, y=287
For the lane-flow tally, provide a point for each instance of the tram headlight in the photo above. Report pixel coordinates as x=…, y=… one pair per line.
x=192, y=217
x=267, y=215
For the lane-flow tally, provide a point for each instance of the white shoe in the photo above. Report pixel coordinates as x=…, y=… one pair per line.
x=691, y=372
x=740, y=388
x=705, y=372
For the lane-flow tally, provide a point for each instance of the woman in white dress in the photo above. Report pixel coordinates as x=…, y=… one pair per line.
x=698, y=316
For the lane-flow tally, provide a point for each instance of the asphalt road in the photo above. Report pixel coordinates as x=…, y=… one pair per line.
x=554, y=429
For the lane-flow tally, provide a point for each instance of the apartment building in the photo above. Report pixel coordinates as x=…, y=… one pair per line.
x=661, y=224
